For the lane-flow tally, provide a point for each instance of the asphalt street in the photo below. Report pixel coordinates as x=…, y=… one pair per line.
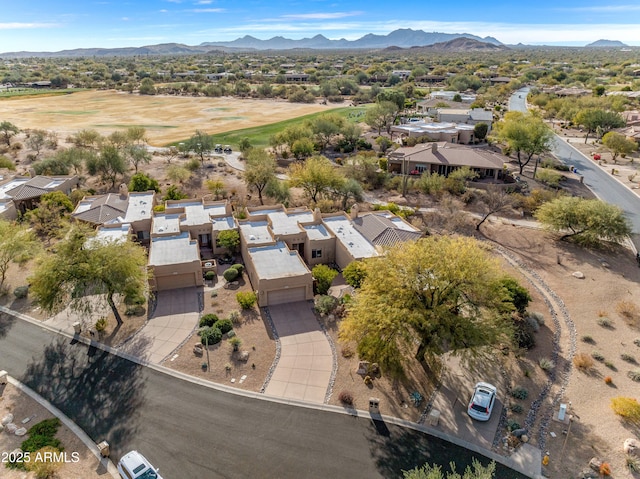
x=191, y=431
x=598, y=179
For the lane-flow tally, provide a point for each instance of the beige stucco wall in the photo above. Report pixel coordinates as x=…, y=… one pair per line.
x=194, y=267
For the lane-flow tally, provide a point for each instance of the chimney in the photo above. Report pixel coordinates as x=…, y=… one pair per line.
x=124, y=191
x=354, y=212
x=434, y=148
x=317, y=215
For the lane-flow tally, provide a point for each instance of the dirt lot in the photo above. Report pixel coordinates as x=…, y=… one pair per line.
x=166, y=118
x=22, y=406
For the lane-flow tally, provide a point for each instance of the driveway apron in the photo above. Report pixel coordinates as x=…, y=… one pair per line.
x=304, y=369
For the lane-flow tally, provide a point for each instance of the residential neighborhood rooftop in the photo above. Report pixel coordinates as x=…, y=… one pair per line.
x=11, y=184
x=287, y=223
x=351, y=238
x=166, y=224
x=140, y=206
x=276, y=261
x=317, y=232
x=174, y=249
x=256, y=232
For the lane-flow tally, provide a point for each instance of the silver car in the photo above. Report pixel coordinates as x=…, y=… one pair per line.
x=134, y=465
x=482, y=401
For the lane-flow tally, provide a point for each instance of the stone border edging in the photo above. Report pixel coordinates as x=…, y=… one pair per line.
x=106, y=462
x=276, y=358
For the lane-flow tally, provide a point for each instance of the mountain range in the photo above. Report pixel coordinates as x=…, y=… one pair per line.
x=402, y=38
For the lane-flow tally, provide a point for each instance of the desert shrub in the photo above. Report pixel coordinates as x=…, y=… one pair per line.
x=246, y=299
x=637, y=342
x=610, y=365
x=238, y=267
x=539, y=317
x=210, y=275
x=42, y=435
x=193, y=164
x=628, y=310
x=627, y=408
x=549, y=177
x=208, y=320
x=546, y=364
x=523, y=334
x=512, y=425
x=234, y=316
x=230, y=274
x=516, y=408
x=7, y=163
x=235, y=342
x=597, y=355
x=325, y=304
x=48, y=427
x=583, y=362
x=605, y=322
x=354, y=273
x=347, y=352
x=605, y=469
x=21, y=292
x=533, y=324
x=519, y=392
x=346, y=397
x=324, y=276
x=101, y=324
x=632, y=462
x=518, y=294
x=628, y=358
x=210, y=335
x=588, y=339
x=231, y=334
x=634, y=375
x=48, y=467
x=224, y=325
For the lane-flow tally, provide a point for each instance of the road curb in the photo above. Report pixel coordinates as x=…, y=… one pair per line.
x=506, y=461
x=92, y=446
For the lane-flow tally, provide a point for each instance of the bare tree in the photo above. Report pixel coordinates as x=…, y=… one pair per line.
x=494, y=200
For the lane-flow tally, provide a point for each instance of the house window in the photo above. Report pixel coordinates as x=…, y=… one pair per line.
x=143, y=235
x=316, y=253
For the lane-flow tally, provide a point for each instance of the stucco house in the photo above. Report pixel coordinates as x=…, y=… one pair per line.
x=25, y=192
x=443, y=158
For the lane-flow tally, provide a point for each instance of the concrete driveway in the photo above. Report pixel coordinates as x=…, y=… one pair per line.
x=175, y=317
x=453, y=396
x=304, y=369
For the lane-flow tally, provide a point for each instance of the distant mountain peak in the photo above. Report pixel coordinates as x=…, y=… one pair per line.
x=606, y=43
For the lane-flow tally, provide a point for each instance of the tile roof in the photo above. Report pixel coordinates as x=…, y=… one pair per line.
x=101, y=209
x=37, y=186
x=382, y=231
x=448, y=154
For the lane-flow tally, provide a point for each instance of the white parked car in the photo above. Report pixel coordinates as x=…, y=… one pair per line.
x=134, y=465
x=482, y=401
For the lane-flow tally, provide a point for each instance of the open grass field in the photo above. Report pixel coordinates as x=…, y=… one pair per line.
x=167, y=119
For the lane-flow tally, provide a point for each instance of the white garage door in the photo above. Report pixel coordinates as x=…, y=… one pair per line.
x=175, y=281
x=289, y=295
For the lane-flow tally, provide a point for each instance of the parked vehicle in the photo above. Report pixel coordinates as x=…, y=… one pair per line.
x=134, y=465
x=218, y=148
x=227, y=149
x=482, y=401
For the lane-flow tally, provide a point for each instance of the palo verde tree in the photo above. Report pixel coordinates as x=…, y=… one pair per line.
x=201, y=144
x=17, y=245
x=618, y=144
x=82, y=267
x=425, y=298
x=585, y=221
x=316, y=176
x=598, y=120
x=260, y=170
x=8, y=130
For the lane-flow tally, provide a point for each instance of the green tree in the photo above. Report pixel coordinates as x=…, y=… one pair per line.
x=216, y=187
x=425, y=298
x=137, y=155
x=143, y=182
x=201, y=144
x=325, y=128
x=108, y=164
x=279, y=191
x=316, y=176
x=260, y=170
x=178, y=174
x=244, y=145
x=174, y=193
x=80, y=268
x=355, y=273
x=494, y=200
x=8, y=130
x=36, y=140
x=348, y=190
x=598, y=120
x=382, y=116
x=48, y=219
x=87, y=139
x=147, y=87
x=136, y=135
x=618, y=144
x=7, y=163
x=394, y=96
x=586, y=221
x=303, y=148
x=17, y=245
x=480, y=131
x=476, y=471
x=229, y=239
x=324, y=276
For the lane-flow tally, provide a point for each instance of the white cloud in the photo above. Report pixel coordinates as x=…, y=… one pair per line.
x=602, y=9
x=207, y=10
x=24, y=26
x=320, y=16
x=125, y=19
x=204, y=2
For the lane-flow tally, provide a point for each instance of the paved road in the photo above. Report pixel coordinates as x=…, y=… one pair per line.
x=598, y=179
x=191, y=431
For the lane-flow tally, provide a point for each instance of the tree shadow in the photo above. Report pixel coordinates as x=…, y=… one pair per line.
x=6, y=323
x=398, y=449
x=100, y=392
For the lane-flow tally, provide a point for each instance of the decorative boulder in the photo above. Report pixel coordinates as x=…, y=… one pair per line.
x=595, y=464
x=11, y=428
x=21, y=431
x=243, y=356
x=632, y=446
x=578, y=274
x=197, y=349
x=363, y=367
x=7, y=419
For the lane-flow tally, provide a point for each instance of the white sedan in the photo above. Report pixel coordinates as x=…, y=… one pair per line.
x=134, y=465
x=482, y=401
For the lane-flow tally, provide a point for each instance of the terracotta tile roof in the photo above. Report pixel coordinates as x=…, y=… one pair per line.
x=382, y=231
x=37, y=186
x=448, y=154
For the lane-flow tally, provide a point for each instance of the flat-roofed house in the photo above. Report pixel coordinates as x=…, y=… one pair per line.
x=443, y=158
x=174, y=260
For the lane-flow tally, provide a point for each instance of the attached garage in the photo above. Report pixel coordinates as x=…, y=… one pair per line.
x=175, y=281
x=288, y=295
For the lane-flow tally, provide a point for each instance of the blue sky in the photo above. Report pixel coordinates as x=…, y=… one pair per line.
x=46, y=25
